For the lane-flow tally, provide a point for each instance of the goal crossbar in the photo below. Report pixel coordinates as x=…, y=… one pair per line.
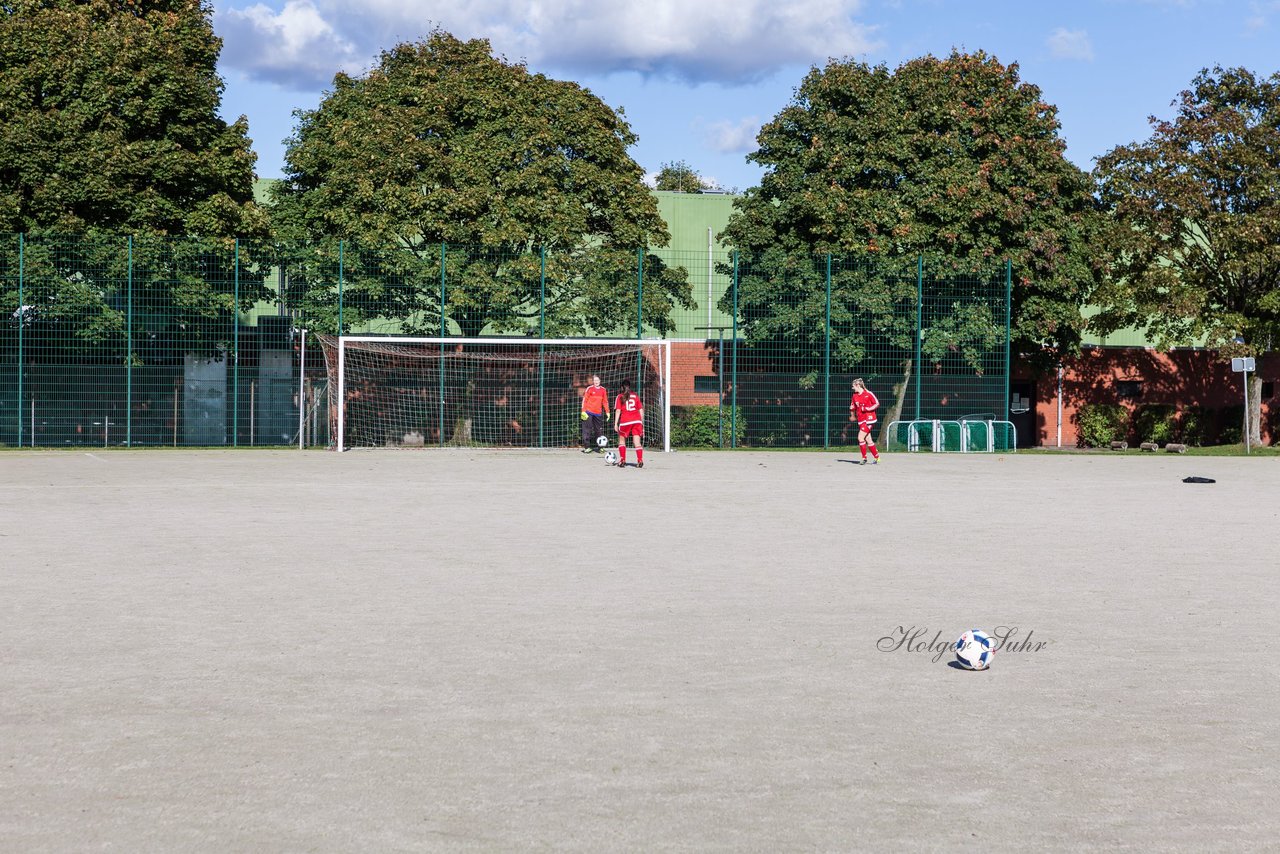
x=662, y=366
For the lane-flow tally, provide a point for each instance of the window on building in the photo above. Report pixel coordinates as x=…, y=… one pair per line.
x=1129, y=389
x=706, y=385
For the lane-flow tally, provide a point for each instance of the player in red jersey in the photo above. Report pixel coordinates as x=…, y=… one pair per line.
x=862, y=409
x=628, y=418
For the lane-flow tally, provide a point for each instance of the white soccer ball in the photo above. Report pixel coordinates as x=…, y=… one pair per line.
x=601, y=441
x=610, y=458
x=974, y=650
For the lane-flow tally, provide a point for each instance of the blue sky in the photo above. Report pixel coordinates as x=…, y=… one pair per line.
x=696, y=78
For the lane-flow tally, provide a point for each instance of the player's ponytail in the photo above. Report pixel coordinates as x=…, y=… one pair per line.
x=625, y=387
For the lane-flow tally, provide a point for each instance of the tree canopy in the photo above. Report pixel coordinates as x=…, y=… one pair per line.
x=1196, y=214
x=445, y=143
x=108, y=120
x=956, y=160
x=679, y=177
x=109, y=127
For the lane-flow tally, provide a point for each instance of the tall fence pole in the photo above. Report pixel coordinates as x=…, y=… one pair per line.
x=826, y=367
x=341, y=276
x=22, y=321
x=919, y=369
x=640, y=322
x=733, y=410
x=1008, y=312
x=128, y=355
x=235, y=366
x=640, y=293
x=443, y=250
x=542, y=348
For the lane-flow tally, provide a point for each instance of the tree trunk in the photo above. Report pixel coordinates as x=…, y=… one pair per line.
x=462, y=424
x=1253, y=416
x=894, y=413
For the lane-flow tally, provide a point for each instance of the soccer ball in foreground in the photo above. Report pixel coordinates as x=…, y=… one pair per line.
x=601, y=441
x=610, y=458
x=974, y=650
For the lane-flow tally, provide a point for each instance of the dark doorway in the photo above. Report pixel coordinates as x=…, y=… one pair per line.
x=1022, y=412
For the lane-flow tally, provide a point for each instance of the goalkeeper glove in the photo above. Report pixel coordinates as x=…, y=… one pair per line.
x=584, y=415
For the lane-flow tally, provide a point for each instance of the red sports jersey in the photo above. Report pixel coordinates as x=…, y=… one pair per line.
x=629, y=408
x=596, y=400
x=864, y=404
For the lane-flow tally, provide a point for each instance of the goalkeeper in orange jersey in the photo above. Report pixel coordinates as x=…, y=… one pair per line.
x=595, y=414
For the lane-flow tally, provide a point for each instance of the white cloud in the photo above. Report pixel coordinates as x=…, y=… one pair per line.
x=295, y=47
x=728, y=137
x=1070, y=44
x=723, y=40
x=1260, y=16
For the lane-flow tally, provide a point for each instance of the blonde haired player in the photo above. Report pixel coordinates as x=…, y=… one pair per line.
x=862, y=409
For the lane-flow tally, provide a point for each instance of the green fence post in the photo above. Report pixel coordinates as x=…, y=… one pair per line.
x=733, y=411
x=826, y=367
x=919, y=369
x=235, y=366
x=542, y=348
x=128, y=357
x=640, y=322
x=340, y=278
x=1008, y=311
x=22, y=321
x=443, y=249
x=639, y=294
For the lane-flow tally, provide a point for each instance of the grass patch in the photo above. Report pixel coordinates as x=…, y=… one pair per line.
x=1207, y=451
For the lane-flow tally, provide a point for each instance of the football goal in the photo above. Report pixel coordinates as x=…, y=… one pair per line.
x=399, y=392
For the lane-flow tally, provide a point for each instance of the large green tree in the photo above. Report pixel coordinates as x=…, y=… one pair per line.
x=1196, y=213
x=109, y=127
x=954, y=159
x=445, y=155
x=109, y=120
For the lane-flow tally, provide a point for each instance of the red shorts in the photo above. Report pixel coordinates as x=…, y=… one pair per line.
x=865, y=426
x=631, y=430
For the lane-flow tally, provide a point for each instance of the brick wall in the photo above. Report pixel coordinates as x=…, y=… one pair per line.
x=1182, y=379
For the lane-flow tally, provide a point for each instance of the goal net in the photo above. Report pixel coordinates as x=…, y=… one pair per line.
x=394, y=392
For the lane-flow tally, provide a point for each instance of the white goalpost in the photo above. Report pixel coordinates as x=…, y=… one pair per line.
x=407, y=392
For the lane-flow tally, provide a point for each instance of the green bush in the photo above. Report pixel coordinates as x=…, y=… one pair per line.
x=1156, y=423
x=1100, y=424
x=1194, y=426
x=1231, y=425
x=699, y=427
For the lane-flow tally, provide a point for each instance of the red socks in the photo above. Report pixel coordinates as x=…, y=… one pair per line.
x=874, y=452
x=622, y=453
x=639, y=455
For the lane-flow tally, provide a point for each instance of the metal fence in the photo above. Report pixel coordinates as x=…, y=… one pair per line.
x=114, y=340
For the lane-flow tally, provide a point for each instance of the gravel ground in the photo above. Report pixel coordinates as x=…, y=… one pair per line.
x=451, y=650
